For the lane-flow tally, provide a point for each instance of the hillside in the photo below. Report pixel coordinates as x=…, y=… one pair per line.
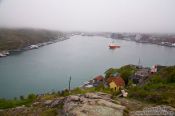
x=156, y=95
x=159, y=88
x=11, y=39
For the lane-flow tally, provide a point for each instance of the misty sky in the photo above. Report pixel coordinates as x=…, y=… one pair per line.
x=90, y=15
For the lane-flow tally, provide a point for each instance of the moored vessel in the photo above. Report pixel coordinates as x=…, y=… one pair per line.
x=113, y=46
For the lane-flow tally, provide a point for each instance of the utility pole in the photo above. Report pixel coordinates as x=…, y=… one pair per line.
x=139, y=63
x=69, y=83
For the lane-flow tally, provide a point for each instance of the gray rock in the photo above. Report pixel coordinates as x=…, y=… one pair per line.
x=91, y=104
x=73, y=98
x=110, y=104
x=83, y=100
x=1, y=110
x=57, y=102
x=20, y=107
x=47, y=102
x=92, y=96
x=36, y=103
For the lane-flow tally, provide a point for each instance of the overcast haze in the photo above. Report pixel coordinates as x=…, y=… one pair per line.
x=90, y=15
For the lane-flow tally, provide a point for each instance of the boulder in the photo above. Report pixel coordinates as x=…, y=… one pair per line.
x=48, y=102
x=73, y=98
x=91, y=104
x=36, y=103
x=92, y=96
x=57, y=102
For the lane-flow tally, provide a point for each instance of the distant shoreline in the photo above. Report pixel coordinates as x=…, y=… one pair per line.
x=6, y=53
x=167, y=40
x=159, y=44
x=44, y=37
x=19, y=40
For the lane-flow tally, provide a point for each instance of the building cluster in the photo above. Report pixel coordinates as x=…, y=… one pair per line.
x=159, y=39
x=143, y=73
x=116, y=83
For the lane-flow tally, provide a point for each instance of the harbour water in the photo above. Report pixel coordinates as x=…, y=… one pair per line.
x=83, y=57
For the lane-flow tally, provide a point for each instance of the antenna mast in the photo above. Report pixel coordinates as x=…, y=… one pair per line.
x=69, y=83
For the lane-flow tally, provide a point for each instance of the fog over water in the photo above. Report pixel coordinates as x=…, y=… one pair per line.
x=90, y=15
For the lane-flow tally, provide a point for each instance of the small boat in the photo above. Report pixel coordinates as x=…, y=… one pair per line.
x=113, y=46
x=87, y=82
x=2, y=55
x=88, y=86
x=33, y=46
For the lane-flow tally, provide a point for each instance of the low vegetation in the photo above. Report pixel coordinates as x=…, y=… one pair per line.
x=4, y=103
x=75, y=91
x=159, y=89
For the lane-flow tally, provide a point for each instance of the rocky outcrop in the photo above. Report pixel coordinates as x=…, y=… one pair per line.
x=89, y=104
x=92, y=104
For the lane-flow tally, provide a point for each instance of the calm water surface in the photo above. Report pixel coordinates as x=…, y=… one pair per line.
x=48, y=68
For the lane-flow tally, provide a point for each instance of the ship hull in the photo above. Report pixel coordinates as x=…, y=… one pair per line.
x=113, y=47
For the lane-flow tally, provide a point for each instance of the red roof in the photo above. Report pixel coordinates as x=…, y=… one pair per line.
x=99, y=78
x=118, y=80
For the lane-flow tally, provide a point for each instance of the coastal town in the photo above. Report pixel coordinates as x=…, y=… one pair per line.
x=158, y=39
x=117, y=83
x=167, y=40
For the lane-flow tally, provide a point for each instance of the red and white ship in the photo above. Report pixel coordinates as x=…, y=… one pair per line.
x=113, y=46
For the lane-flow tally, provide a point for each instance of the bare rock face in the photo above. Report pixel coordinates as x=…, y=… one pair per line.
x=73, y=98
x=48, y=102
x=92, y=96
x=89, y=104
x=92, y=104
x=56, y=102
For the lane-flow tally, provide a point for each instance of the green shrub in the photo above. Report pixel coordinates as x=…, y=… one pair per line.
x=110, y=72
x=31, y=96
x=171, y=77
x=21, y=97
x=100, y=87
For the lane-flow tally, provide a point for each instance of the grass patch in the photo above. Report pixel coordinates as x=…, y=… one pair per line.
x=49, y=112
x=4, y=103
x=155, y=93
x=160, y=88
